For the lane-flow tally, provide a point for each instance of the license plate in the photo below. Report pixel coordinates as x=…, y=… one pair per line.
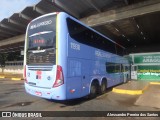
x=38, y=93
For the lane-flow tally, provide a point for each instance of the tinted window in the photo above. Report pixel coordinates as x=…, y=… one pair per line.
x=86, y=36
x=42, y=33
x=43, y=41
x=113, y=67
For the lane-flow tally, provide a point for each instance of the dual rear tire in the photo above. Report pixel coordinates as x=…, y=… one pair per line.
x=103, y=87
x=95, y=88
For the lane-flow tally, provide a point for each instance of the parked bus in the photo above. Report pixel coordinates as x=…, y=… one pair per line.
x=65, y=59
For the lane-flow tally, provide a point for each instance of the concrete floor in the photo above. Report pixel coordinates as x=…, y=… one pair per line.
x=14, y=98
x=151, y=97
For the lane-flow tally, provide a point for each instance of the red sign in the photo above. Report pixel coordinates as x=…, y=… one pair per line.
x=38, y=41
x=38, y=74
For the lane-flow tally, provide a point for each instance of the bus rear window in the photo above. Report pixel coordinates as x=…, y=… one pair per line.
x=42, y=33
x=42, y=40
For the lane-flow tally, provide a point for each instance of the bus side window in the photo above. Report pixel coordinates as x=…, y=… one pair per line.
x=122, y=68
x=117, y=68
x=110, y=67
x=126, y=68
x=86, y=36
x=113, y=67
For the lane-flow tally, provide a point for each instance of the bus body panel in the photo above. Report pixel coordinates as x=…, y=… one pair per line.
x=86, y=64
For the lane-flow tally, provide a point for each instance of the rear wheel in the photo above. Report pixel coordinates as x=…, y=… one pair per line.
x=93, y=90
x=103, y=87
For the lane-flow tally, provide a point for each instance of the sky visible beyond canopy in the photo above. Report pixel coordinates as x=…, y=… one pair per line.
x=9, y=7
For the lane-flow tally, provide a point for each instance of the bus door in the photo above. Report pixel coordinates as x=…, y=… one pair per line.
x=126, y=73
x=123, y=70
x=134, y=72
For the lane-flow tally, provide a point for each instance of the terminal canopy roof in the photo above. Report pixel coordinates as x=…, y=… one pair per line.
x=131, y=23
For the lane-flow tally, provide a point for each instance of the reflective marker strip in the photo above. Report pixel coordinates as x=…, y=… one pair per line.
x=57, y=39
x=155, y=83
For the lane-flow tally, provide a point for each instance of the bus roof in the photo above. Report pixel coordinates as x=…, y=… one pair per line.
x=54, y=13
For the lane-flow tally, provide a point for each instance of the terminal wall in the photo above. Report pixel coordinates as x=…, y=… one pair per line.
x=148, y=65
x=12, y=67
x=15, y=67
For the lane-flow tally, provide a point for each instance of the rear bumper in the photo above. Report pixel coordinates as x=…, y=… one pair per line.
x=57, y=93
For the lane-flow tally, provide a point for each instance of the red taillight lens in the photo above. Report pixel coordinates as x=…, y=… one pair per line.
x=59, y=77
x=25, y=74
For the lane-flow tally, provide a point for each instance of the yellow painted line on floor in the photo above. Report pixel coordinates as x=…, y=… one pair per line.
x=155, y=83
x=130, y=92
x=2, y=76
x=16, y=78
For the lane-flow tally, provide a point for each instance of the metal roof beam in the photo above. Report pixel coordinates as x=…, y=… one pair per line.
x=1, y=38
x=3, y=35
x=11, y=28
x=7, y=32
x=61, y=5
x=13, y=40
x=126, y=2
x=123, y=13
x=39, y=10
x=25, y=17
x=90, y=2
x=16, y=23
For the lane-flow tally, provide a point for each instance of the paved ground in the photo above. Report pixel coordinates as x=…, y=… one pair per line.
x=151, y=97
x=14, y=98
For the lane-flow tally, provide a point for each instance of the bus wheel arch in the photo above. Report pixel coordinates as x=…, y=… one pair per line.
x=94, y=87
x=103, y=86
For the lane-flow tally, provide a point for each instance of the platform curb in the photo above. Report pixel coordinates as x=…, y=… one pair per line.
x=16, y=79
x=154, y=83
x=130, y=92
x=2, y=76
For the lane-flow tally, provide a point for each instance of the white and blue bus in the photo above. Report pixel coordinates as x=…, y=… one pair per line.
x=65, y=59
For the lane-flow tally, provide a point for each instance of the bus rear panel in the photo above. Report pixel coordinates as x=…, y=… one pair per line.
x=43, y=77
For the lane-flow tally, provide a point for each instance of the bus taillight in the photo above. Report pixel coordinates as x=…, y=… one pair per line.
x=59, y=77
